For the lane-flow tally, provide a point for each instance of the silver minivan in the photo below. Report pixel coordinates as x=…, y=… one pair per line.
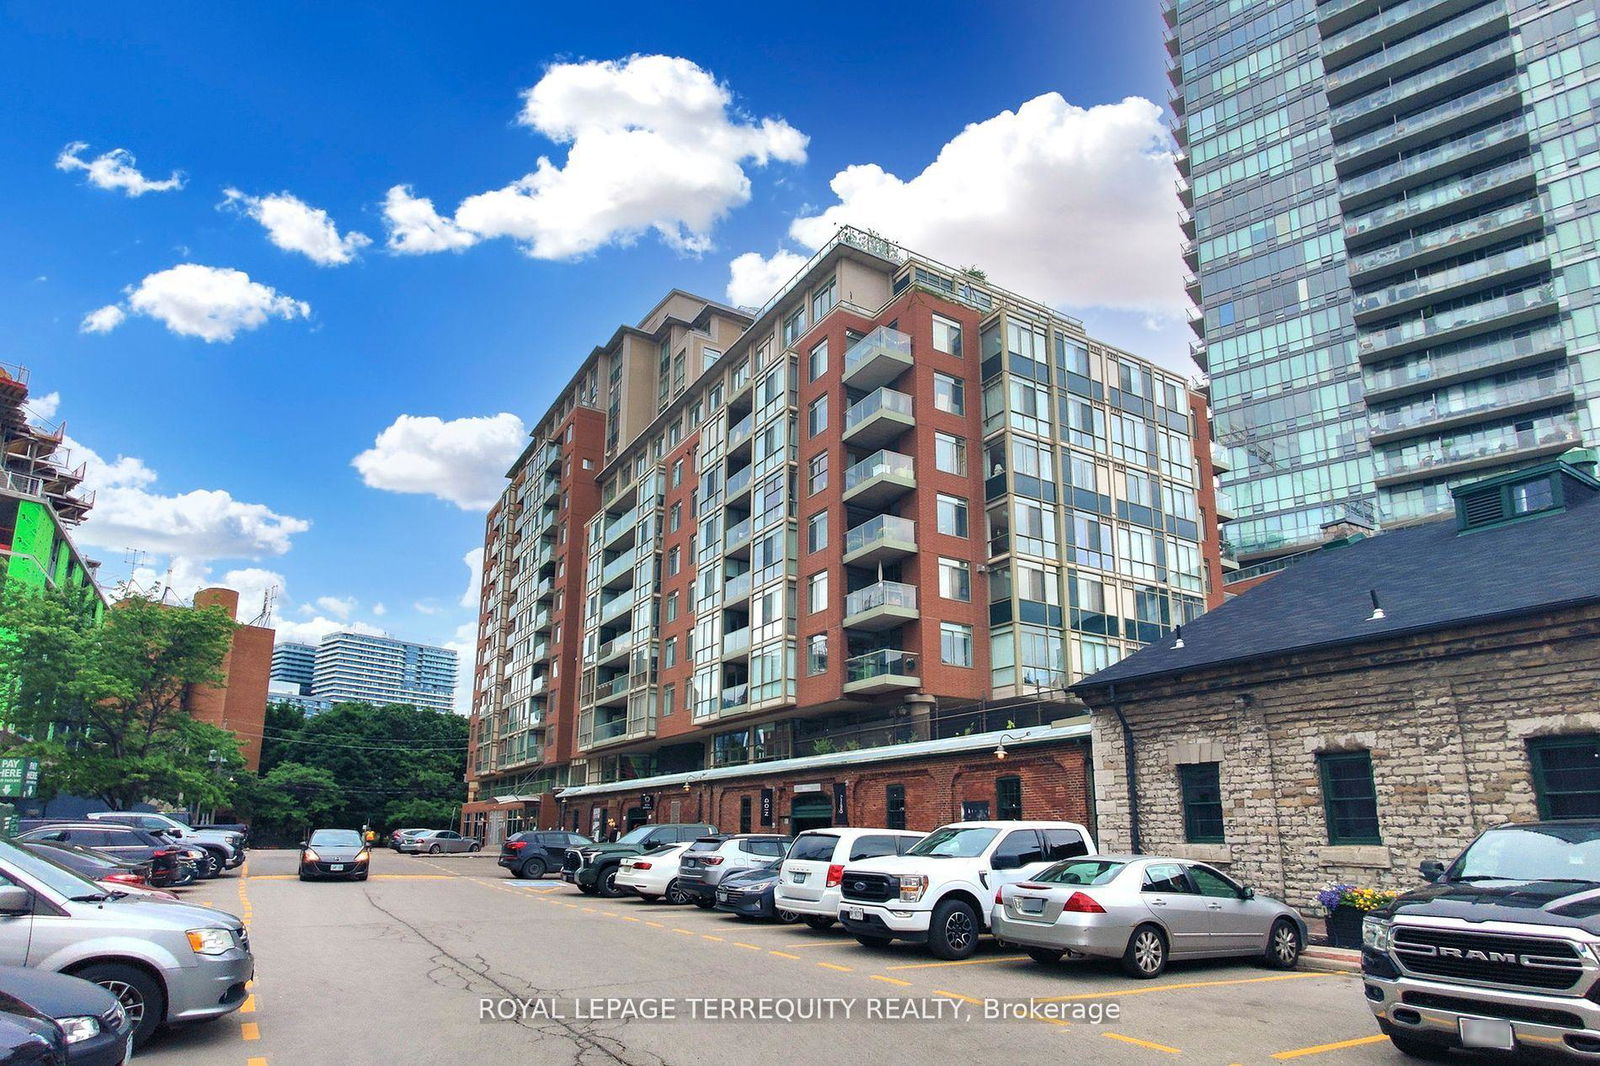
x=808, y=880
x=165, y=962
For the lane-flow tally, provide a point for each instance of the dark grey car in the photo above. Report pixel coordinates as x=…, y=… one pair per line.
x=335, y=854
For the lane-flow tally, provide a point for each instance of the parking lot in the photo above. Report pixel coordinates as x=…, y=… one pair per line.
x=423, y=961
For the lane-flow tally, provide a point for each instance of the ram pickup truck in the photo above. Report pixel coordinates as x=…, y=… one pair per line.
x=940, y=891
x=1501, y=951
x=593, y=867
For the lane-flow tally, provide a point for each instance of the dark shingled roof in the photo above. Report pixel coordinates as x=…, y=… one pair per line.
x=1427, y=577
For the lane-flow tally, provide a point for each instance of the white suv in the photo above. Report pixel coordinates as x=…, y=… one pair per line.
x=808, y=880
x=938, y=892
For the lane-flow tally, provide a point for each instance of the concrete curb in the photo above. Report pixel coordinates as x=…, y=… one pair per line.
x=1330, y=960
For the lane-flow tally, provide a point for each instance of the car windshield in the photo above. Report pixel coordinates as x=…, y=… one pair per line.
x=52, y=875
x=1532, y=853
x=636, y=835
x=1080, y=872
x=81, y=858
x=954, y=842
x=336, y=838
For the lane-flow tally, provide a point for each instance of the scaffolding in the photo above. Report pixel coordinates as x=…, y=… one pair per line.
x=37, y=462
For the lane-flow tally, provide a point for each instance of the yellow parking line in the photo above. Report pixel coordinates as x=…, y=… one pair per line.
x=547, y=891
x=1320, y=1048
x=628, y=918
x=836, y=966
x=708, y=936
x=655, y=925
x=587, y=910
x=250, y=1031
x=957, y=995
x=1141, y=1043
x=959, y=962
x=890, y=980
x=741, y=944
x=258, y=1061
x=685, y=932
x=248, y=1006
x=1119, y=993
x=783, y=954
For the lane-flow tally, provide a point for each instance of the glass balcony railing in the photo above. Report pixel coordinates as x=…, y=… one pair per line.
x=1505, y=89
x=621, y=524
x=1416, y=45
x=1456, y=318
x=1438, y=196
x=736, y=589
x=738, y=534
x=883, y=663
x=740, y=431
x=881, y=594
x=614, y=646
x=1225, y=503
x=739, y=481
x=1488, y=137
x=1475, y=398
x=1461, y=359
x=882, y=340
x=615, y=604
x=1449, y=278
x=879, y=464
x=1556, y=431
x=735, y=697
x=622, y=564
x=1493, y=52
x=878, y=530
x=610, y=730
x=1374, y=24
x=736, y=641
x=880, y=399
x=1445, y=237
x=615, y=687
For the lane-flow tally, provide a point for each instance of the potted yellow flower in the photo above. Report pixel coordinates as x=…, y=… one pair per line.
x=1346, y=905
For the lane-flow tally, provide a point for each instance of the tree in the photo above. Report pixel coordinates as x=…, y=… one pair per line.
x=100, y=700
x=288, y=801
x=282, y=722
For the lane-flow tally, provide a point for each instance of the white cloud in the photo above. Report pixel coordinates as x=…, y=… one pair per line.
x=465, y=645
x=44, y=407
x=212, y=303
x=474, y=561
x=314, y=630
x=102, y=320
x=336, y=606
x=1068, y=205
x=463, y=461
x=424, y=607
x=379, y=610
x=654, y=144
x=753, y=278
x=199, y=525
x=296, y=226
x=114, y=170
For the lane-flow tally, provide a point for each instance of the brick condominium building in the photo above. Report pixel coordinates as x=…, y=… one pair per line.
x=755, y=558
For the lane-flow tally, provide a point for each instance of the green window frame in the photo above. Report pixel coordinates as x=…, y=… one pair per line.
x=1566, y=775
x=1200, y=785
x=1008, y=799
x=1349, y=797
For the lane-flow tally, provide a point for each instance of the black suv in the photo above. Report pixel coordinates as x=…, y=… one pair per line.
x=593, y=867
x=536, y=852
x=122, y=842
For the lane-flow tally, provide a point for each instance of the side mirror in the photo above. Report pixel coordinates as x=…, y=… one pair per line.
x=15, y=899
x=1431, y=869
x=1247, y=892
x=304, y=844
x=1005, y=862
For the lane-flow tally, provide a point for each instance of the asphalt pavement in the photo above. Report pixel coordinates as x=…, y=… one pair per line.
x=446, y=959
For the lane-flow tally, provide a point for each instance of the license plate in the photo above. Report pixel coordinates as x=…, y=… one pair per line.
x=336, y=866
x=722, y=897
x=856, y=914
x=1030, y=906
x=798, y=877
x=1488, y=1033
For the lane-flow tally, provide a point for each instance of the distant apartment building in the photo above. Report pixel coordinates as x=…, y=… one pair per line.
x=1390, y=221
x=362, y=668
x=897, y=507
x=295, y=666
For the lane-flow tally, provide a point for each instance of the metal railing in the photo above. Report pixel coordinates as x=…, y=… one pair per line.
x=882, y=339
x=885, y=662
x=881, y=594
x=879, y=399
x=880, y=528
x=880, y=463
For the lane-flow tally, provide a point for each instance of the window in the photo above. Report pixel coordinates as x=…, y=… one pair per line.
x=817, y=532
x=817, y=416
x=1201, y=787
x=672, y=607
x=668, y=700
x=817, y=655
x=669, y=656
x=950, y=453
x=1008, y=802
x=946, y=336
x=674, y=560
x=1063, y=844
x=1349, y=800
x=794, y=325
x=817, y=365
x=817, y=591
x=677, y=473
x=817, y=474
x=1566, y=775
x=675, y=517
x=952, y=516
x=955, y=580
x=823, y=299
x=894, y=805
x=1210, y=883
x=744, y=814
x=1531, y=496
x=955, y=644
x=1167, y=878
x=949, y=394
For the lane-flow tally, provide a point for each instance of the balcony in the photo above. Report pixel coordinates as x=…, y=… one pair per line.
x=736, y=589
x=1392, y=24
x=881, y=539
x=614, y=649
x=611, y=692
x=737, y=540
x=878, y=418
x=878, y=672
x=877, y=359
x=1451, y=410
x=1229, y=555
x=616, y=605
x=1473, y=450
x=1219, y=458
x=1449, y=158
x=879, y=478
x=619, y=571
x=1438, y=121
x=615, y=729
x=1498, y=312
x=541, y=620
x=1457, y=239
x=545, y=589
x=735, y=698
x=1418, y=51
x=1501, y=268
x=1426, y=205
x=1225, y=509
x=1438, y=368
x=539, y=685
x=624, y=523
x=739, y=433
x=880, y=606
x=1494, y=58
x=739, y=483
x=736, y=642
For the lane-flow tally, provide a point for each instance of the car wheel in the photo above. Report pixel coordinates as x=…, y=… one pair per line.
x=873, y=941
x=531, y=870
x=704, y=904
x=207, y=868
x=1045, y=955
x=1283, y=945
x=433, y=849
x=819, y=922
x=607, y=886
x=953, y=932
x=474, y=846
x=788, y=917
x=675, y=893
x=1146, y=955
x=1419, y=1049
x=140, y=995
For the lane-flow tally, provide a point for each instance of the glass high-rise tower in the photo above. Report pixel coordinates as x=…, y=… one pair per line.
x=1392, y=243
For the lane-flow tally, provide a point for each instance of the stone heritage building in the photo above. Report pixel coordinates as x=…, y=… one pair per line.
x=1375, y=705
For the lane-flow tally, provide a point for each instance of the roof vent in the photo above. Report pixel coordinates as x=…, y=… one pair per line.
x=1482, y=508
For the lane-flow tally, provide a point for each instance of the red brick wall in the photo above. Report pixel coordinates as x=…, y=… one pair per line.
x=1210, y=535
x=239, y=704
x=680, y=721
x=581, y=490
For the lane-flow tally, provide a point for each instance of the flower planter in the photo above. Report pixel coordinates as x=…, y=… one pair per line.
x=1344, y=926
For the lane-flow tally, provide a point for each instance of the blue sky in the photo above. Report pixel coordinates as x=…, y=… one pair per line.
x=236, y=453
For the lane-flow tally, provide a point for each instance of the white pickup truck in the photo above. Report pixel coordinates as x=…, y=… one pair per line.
x=939, y=892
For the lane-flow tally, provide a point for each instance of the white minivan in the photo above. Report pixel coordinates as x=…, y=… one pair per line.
x=808, y=880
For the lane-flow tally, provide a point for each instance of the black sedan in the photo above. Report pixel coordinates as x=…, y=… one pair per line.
x=335, y=854
x=749, y=894
x=98, y=1031
x=89, y=863
x=29, y=1037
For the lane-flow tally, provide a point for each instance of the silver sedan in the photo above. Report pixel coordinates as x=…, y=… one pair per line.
x=1144, y=910
x=433, y=841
